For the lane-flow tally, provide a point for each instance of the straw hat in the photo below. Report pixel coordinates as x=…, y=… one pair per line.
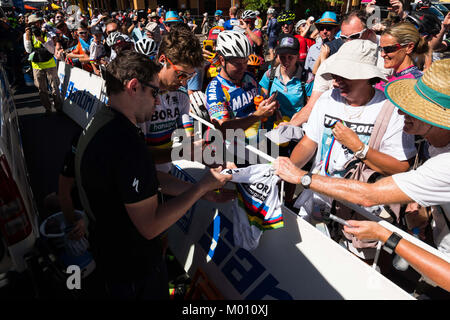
x=355, y=60
x=427, y=98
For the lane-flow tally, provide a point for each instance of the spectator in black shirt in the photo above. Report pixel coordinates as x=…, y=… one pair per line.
x=118, y=184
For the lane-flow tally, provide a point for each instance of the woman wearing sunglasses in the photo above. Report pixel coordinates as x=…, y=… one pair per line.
x=399, y=45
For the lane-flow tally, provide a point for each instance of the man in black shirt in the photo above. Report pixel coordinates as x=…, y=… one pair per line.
x=118, y=184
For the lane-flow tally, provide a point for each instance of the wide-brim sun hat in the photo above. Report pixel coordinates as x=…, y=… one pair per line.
x=426, y=98
x=355, y=60
x=172, y=16
x=328, y=17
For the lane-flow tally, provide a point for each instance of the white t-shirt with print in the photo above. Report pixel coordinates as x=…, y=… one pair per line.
x=331, y=107
x=429, y=185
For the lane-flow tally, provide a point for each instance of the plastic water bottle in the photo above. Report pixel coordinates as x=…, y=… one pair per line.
x=400, y=263
x=27, y=77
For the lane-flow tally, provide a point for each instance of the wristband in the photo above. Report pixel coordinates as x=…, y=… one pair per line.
x=392, y=242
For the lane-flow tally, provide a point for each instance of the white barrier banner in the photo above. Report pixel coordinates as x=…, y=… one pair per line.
x=83, y=93
x=294, y=262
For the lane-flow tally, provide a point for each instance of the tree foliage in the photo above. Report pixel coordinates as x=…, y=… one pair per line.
x=260, y=5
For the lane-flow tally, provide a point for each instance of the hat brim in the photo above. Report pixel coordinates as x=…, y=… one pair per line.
x=327, y=22
x=403, y=95
x=352, y=70
x=286, y=51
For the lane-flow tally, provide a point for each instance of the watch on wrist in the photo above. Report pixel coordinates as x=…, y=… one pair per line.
x=306, y=180
x=392, y=242
x=362, y=153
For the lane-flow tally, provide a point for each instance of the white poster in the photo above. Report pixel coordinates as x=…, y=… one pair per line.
x=83, y=93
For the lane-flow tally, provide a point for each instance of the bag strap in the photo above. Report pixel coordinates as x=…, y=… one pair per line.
x=271, y=76
x=381, y=124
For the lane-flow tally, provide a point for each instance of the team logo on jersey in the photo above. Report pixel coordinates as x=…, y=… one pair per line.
x=135, y=185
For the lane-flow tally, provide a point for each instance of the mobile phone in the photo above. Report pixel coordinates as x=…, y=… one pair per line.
x=330, y=216
x=273, y=96
x=383, y=3
x=208, y=45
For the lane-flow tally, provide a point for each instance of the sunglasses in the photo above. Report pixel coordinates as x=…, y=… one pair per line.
x=321, y=27
x=181, y=75
x=237, y=61
x=83, y=32
x=353, y=36
x=393, y=48
x=155, y=91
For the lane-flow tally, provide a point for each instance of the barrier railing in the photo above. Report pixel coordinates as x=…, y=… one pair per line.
x=362, y=210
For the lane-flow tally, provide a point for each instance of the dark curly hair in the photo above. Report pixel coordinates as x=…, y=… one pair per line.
x=181, y=46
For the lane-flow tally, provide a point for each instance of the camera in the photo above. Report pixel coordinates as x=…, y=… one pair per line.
x=36, y=31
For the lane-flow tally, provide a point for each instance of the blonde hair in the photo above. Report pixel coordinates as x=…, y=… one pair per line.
x=405, y=32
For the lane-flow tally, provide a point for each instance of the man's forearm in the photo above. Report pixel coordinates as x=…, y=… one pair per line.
x=256, y=39
x=384, y=191
x=171, y=185
x=384, y=163
x=433, y=267
x=241, y=123
x=303, y=152
x=436, y=42
x=65, y=186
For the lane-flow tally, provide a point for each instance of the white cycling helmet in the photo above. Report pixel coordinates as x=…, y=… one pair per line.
x=248, y=14
x=232, y=44
x=271, y=11
x=197, y=105
x=116, y=38
x=111, y=39
x=146, y=46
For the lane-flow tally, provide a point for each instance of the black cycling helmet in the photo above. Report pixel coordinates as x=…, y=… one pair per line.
x=426, y=23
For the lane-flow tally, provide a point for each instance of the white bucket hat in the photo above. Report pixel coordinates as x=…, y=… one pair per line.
x=34, y=18
x=356, y=59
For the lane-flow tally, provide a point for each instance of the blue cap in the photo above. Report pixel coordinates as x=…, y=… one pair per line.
x=328, y=17
x=218, y=13
x=172, y=16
